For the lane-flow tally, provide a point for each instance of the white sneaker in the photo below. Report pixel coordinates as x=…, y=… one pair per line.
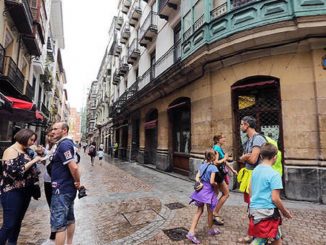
x=49, y=242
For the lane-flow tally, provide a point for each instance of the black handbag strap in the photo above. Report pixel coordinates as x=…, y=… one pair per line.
x=204, y=171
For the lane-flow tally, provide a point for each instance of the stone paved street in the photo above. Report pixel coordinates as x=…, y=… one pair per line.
x=127, y=204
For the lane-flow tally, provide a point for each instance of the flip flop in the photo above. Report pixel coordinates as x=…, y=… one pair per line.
x=192, y=238
x=213, y=232
x=218, y=220
x=245, y=239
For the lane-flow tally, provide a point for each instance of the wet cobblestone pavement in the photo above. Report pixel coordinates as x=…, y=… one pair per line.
x=129, y=204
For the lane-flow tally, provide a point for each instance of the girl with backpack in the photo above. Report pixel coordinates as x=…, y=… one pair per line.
x=206, y=195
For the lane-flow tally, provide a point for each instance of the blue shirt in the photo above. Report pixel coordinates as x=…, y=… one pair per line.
x=263, y=181
x=210, y=169
x=61, y=177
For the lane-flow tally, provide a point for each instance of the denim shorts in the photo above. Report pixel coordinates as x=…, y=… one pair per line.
x=62, y=211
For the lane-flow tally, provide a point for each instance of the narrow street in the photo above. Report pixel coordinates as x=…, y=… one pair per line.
x=129, y=204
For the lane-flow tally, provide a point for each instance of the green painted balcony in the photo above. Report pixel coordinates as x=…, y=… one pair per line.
x=230, y=19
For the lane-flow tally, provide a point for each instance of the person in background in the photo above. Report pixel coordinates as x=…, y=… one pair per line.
x=50, y=149
x=18, y=178
x=101, y=147
x=100, y=155
x=92, y=152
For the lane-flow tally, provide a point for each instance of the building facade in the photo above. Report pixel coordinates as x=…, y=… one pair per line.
x=31, y=36
x=185, y=70
x=74, y=125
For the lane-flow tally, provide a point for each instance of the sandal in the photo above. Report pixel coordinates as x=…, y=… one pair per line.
x=192, y=238
x=246, y=239
x=218, y=220
x=213, y=232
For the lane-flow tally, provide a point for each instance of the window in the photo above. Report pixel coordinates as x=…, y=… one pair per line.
x=187, y=22
x=217, y=3
x=177, y=42
x=186, y=6
x=198, y=10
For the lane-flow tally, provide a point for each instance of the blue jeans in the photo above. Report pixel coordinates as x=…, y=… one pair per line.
x=14, y=205
x=62, y=211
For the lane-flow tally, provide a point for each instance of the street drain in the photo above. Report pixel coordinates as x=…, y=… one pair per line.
x=176, y=234
x=175, y=205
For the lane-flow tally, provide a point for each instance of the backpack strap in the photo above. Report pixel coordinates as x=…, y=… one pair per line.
x=204, y=171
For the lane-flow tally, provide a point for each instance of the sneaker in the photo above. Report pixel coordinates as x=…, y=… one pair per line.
x=48, y=242
x=192, y=238
x=213, y=232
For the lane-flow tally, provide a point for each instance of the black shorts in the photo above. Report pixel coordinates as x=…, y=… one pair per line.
x=100, y=158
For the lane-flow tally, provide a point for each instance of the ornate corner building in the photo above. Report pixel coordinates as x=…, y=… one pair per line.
x=177, y=72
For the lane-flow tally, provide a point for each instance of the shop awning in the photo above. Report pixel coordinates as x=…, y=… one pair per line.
x=17, y=110
x=150, y=124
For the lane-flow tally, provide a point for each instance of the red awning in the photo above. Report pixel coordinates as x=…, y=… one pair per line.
x=21, y=104
x=150, y=124
x=20, y=111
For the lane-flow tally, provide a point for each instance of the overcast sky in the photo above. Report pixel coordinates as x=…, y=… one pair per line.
x=86, y=25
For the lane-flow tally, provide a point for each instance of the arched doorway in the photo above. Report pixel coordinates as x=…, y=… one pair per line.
x=150, y=125
x=180, y=134
x=258, y=97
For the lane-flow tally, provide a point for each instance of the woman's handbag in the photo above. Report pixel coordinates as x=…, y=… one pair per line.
x=36, y=191
x=198, y=185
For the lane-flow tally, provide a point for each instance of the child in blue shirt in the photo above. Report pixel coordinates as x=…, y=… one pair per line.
x=265, y=201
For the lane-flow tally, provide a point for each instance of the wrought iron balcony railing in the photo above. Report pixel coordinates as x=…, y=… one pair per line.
x=13, y=74
x=133, y=52
x=117, y=49
x=125, y=5
x=29, y=91
x=125, y=33
x=148, y=29
x=123, y=66
x=21, y=14
x=116, y=77
x=135, y=13
x=45, y=110
x=166, y=7
x=118, y=22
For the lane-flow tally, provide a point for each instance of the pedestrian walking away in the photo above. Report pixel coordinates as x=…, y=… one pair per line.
x=92, y=152
x=19, y=174
x=100, y=155
x=206, y=195
x=65, y=179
